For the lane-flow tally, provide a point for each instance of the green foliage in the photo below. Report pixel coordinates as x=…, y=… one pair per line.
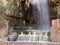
x=2, y=15
x=9, y=3
x=2, y=9
x=2, y=19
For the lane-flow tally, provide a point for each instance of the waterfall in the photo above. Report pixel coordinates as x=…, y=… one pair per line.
x=43, y=14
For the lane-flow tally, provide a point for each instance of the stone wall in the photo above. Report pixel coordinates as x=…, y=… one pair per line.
x=55, y=31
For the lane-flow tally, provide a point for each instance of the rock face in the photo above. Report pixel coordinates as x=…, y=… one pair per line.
x=55, y=31
x=19, y=10
x=54, y=8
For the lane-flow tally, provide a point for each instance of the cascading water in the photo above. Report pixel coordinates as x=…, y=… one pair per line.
x=43, y=14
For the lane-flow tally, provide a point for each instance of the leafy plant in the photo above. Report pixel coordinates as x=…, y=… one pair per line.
x=2, y=14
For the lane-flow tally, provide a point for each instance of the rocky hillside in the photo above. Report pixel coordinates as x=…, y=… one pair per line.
x=54, y=6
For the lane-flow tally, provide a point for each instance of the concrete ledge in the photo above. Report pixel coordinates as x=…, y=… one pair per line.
x=28, y=43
